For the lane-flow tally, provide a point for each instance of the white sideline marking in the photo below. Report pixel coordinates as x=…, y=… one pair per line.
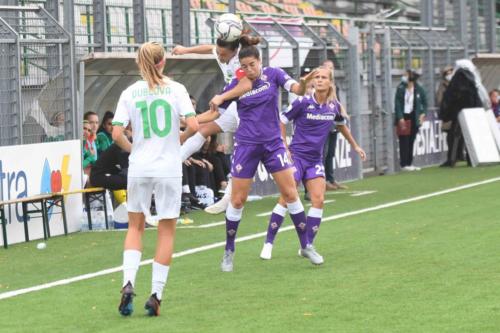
x=208, y=225
x=339, y=192
x=325, y=202
x=18, y=292
x=360, y=193
x=264, y=214
x=352, y=193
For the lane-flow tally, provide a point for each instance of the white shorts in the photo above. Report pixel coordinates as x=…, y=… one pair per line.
x=167, y=193
x=229, y=120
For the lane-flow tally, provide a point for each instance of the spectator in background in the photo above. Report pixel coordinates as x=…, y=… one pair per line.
x=93, y=119
x=110, y=169
x=104, y=139
x=446, y=76
x=57, y=120
x=193, y=174
x=221, y=153
x=190, y=179
x=464, y=91
x=56, y=133
x=410, y=107
x=495, y=105
x=217, y=179
x=89, y=148
x=205, y=169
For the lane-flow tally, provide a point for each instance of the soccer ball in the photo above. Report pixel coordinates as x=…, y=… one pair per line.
x=228, y=27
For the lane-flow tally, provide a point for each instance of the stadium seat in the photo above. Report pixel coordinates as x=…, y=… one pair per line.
x=267, y=8
x=291, y=9
x=210, y=4
x=195, y=4
x=243, y=7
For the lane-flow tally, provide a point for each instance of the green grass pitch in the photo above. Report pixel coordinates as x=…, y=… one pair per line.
x=432, y=265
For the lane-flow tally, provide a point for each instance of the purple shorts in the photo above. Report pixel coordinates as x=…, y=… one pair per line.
x=246, y=158
x=305, y=169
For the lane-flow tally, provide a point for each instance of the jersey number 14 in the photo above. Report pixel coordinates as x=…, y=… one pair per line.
x=149, y=117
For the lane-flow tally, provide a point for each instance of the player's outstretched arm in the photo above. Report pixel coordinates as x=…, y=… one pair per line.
x=244, y=85
x=191, y=128
x=300, y=88
x=207, y=116
x=198, y=49
x=346, y=132
x=120, y=139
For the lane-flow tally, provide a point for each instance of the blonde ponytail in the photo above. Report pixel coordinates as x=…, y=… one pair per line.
x=151, y=60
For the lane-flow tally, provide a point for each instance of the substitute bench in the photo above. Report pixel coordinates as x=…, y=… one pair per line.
x=41, y=204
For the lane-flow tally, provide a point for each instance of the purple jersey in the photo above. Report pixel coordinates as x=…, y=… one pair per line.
x=258, y=108
x=312, y=123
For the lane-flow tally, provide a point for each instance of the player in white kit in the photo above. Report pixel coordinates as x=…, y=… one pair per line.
x=153, y=106
x=221, y=120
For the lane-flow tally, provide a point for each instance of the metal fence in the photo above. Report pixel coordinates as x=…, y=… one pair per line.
x=343, y=51
x=37, y=77
x=369, y=56
x=386, y=54
x=472, y=21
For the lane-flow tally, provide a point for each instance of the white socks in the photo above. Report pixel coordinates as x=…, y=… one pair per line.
x=159, y=279
x=280, y=210
x=131, y=261
x=315, y=212
x=192, y=145
x=234, y=214
x=186, y=189
x=295, y=207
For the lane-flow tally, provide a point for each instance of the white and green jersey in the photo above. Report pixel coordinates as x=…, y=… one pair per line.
x=155, y=118
x=229, y=69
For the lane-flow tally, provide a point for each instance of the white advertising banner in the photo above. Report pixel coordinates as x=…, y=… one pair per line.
x=478, y=136
x=29, y=170
x=430, y=146
x=494, y=127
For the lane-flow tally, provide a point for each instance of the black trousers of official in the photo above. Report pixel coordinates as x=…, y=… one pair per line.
x=329, y=154
x=406, y=143
x=455, y=141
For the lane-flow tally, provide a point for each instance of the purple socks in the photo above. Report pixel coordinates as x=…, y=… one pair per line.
x=275, y=222
x=233, y=217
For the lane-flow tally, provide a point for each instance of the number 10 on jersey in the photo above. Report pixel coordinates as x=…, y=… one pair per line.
x=149, y=117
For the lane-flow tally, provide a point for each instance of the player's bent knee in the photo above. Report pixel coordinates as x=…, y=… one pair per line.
x=317, y=200
x=238, y=202
x=317, y=204
x=290, y=195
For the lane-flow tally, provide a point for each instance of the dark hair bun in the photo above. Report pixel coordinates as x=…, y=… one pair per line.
x=246, y=40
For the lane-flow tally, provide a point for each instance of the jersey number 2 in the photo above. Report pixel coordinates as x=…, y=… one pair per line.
x=150, y=117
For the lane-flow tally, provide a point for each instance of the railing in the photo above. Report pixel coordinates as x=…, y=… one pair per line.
x=120, y=25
